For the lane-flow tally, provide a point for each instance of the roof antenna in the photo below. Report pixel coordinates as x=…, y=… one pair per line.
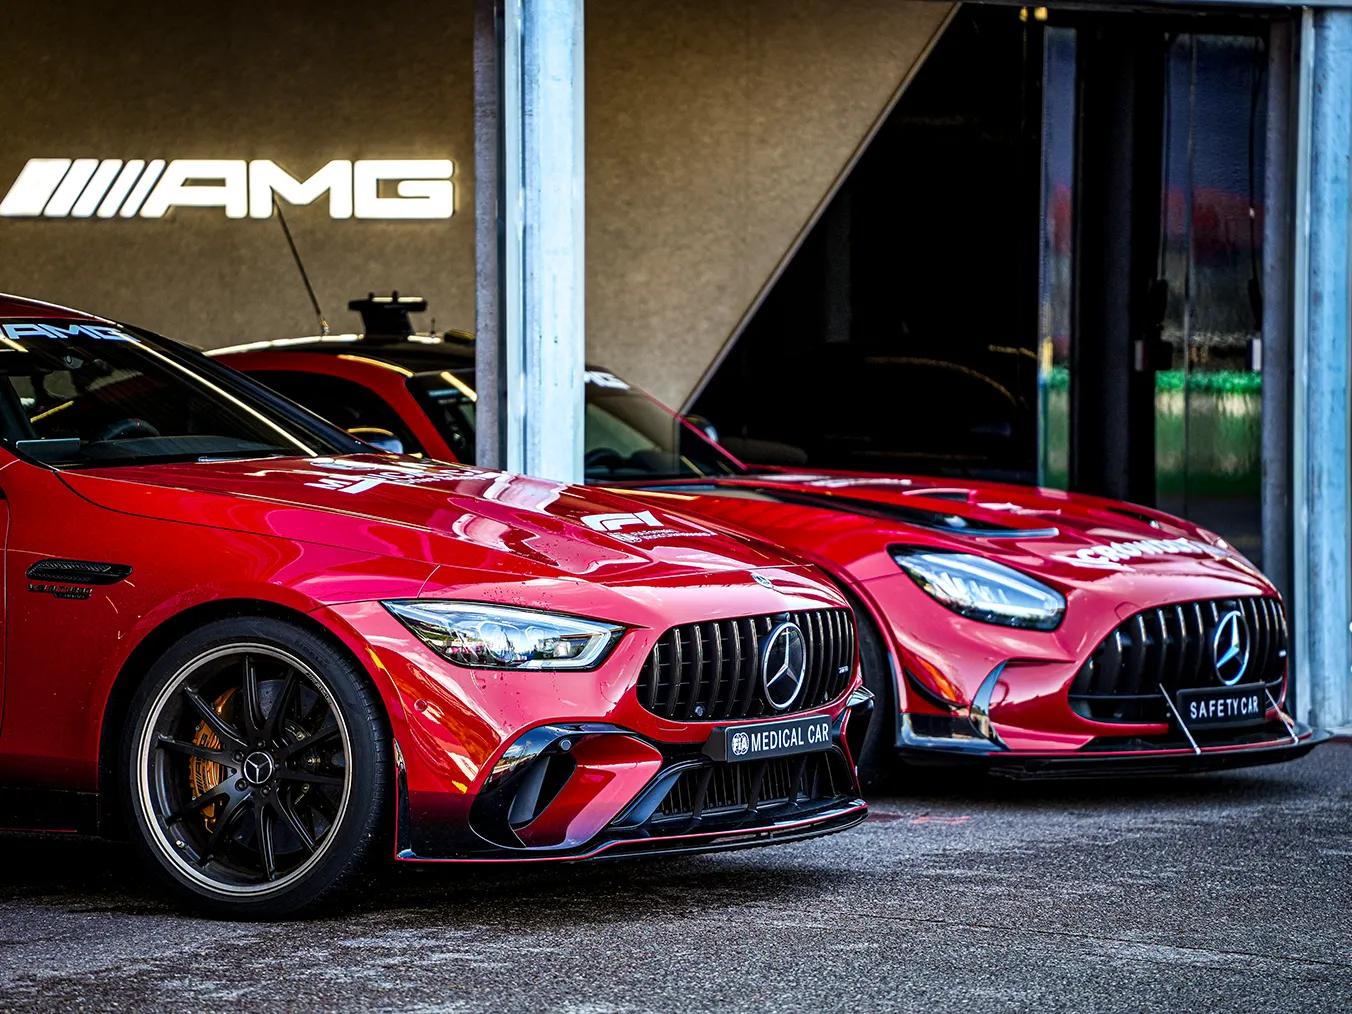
x=300, y=266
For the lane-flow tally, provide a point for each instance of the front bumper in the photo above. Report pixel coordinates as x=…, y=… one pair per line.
x=1268, y=744
x=977, y=695
x=573, y=791
x=498, y=766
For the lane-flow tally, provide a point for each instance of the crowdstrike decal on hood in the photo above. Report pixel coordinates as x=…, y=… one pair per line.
x=1114, y=555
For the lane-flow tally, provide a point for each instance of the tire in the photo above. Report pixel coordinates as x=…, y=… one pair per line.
x=256, y=769
x=878, y=762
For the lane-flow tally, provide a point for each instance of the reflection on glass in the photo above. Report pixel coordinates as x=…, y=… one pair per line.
x=1054, y=302
x=1208, y=405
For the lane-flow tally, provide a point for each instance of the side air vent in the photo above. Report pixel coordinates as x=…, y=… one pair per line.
x=78, y=571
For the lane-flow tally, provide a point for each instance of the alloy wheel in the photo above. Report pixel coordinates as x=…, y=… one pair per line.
x=244, y=768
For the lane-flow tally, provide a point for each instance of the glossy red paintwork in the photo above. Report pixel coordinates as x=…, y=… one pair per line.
x=325, y=540
x=832, y=523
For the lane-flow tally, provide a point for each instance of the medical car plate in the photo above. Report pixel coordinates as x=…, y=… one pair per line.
x=764, y=740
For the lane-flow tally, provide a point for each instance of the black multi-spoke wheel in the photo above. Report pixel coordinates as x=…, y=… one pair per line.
x=257, y=760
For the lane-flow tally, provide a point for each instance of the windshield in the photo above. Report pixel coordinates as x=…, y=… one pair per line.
x=628, y=434
x=81, y=394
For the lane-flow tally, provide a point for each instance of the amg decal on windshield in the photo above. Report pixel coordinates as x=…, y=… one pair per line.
x=1113, y=555
x=18, y=332
x=600, y=378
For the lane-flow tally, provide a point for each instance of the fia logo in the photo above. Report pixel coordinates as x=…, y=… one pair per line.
x=741, y=744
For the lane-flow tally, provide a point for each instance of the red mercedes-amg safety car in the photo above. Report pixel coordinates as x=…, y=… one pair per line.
x=269, y=655
x=1029, y=631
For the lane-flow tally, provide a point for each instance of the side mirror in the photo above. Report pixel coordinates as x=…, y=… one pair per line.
x=379, y=438
x=704, y=426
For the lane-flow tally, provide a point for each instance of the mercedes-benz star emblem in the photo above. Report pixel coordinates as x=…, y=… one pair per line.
x=1230, y=648
x=784, y=665
x=258, y=767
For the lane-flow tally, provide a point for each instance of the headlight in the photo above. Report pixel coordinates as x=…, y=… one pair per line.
x=982, y=589
x=482, y=636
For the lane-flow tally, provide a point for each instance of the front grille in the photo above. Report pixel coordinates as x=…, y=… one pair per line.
x=1172, y=647
x=711, y=671
x=725, y=788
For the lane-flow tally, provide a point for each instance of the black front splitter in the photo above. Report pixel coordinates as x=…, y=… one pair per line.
x=718, y=833
x=1127, y=764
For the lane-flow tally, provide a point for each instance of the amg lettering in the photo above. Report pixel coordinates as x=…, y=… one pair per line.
x=62, y=591
x=378, y=188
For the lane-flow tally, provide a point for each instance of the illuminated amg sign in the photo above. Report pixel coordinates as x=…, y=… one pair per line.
x=112, y=188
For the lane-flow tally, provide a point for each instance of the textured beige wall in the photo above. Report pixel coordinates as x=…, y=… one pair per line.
x=713, y=130
x=297, y=82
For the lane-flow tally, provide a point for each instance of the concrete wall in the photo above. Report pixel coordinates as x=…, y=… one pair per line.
x=714, y=129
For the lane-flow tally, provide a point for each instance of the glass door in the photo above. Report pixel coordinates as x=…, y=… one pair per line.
x=1055, y=256
x=1208, y=403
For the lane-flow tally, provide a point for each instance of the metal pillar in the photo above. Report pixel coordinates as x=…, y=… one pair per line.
x=1276, y=288
x=529, y=201
x=1117, y=213
x=1323, y=560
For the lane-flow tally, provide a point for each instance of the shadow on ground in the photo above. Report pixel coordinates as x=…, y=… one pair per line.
x=93, y=875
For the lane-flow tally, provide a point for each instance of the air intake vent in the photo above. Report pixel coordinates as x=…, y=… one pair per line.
x=723, y=788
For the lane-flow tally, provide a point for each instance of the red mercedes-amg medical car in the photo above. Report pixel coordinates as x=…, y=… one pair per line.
x=268, y=655
x=1026, y=631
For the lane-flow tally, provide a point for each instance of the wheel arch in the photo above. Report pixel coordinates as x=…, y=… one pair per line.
x=867, y=617
x=155, y=643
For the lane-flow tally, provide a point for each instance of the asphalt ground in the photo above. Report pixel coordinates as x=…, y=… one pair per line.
x=1224, y=891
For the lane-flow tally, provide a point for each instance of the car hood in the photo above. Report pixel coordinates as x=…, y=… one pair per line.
x=848, y=519
x=446, y=515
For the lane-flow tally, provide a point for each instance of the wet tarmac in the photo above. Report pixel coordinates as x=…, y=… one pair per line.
x=1221, y=892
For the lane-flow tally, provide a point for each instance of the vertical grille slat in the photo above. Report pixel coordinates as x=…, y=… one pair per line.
x=1134, y=657
x=696, y=670
x=833, y=662
x=716, y=670
x=1181, y=661
x=711, y=671
x=1261, y=626
x=815, y=630
x=736, y=667
x=654, y=663
x=751, y=665
x=677, y=673
x=838, y=641
x=1172, y=646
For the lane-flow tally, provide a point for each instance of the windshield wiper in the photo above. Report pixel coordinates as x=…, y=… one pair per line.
x=242, y=454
